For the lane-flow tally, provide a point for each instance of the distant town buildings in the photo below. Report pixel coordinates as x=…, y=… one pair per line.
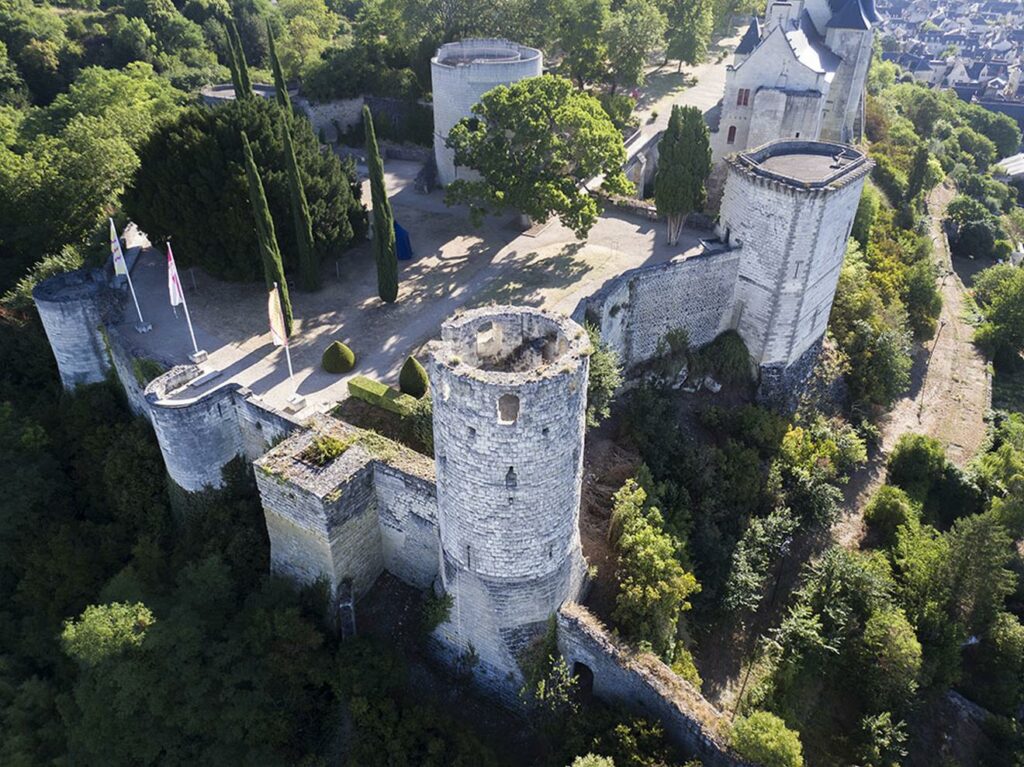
x=973, y=48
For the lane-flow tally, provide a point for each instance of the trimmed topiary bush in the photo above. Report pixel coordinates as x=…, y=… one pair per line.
x=413, y=379
x=338, y=358
x=381, y=395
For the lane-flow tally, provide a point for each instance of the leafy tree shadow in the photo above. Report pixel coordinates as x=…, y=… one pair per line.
x=531, y=273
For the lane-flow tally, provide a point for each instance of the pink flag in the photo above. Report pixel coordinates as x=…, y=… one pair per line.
x=173, y=283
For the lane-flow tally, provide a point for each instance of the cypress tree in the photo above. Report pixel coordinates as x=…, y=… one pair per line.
x=273, y=269
x=383, y=219
x=240, y=63
x=275, y=65
x=236, y=80
x=309, y=264
x=684, y=162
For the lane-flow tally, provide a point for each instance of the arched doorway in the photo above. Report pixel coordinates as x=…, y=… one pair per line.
x=584, y=680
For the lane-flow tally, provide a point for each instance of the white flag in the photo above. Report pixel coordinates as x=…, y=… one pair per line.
x=120, y=267
x=173, y=283
x=277, y=326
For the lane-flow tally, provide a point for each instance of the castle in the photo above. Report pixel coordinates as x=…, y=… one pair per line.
x=493, y=520
x=799, y=74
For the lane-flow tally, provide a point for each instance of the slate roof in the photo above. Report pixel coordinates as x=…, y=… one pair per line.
x=850, y=16
x=809, y=47
x=751, y=38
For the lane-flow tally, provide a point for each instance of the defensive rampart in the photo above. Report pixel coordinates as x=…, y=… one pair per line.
x=645, y=685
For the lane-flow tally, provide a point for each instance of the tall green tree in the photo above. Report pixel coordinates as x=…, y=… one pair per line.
x=239, y=56
x=273, y=269
x=636, y=29
x=689, y=30
x=280, y=87
x=236, y=78
x=309, y=264
x=534, y=144
x=684, y=162
x=383, y=220
x=581, y=37
x=191, y=184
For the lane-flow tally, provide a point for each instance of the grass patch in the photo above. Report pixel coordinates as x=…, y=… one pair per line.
x=324, y=448
x=145, y=370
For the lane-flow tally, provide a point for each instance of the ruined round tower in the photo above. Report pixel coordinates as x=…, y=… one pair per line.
x=70, y=306
x=509, y=386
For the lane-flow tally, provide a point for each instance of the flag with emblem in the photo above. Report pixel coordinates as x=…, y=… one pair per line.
x=120, y=267
x=173, y=282
x=274, y=309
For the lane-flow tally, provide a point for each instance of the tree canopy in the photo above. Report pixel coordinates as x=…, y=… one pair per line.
x=535, y=143
x=191, y=185
x=684, y=162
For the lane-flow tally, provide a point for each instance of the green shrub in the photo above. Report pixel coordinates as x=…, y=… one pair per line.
x=323, y=449
x=604, y=377
x=413, y=378
x=338, y=358
x=381, y=395
x=145, y=369
x=764, y=739
x=422, y=419
x=887, y=511
x=726, y=358
x=435, y=611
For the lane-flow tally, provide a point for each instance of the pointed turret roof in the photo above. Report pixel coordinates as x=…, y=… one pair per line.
x=751, y=38
x=850, y=16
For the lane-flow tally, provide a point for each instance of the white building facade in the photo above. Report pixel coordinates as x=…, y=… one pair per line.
x=798, y=74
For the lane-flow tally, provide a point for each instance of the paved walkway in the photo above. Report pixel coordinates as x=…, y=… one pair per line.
x=456, y=265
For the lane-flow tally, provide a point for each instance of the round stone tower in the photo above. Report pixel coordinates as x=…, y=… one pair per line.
x=509, y=386
x=460, y=74
x=70, y=307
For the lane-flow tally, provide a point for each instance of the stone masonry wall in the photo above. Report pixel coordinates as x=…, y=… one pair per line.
x=407, y=510
x=509, y=390
x=370, y=509
x=637, y=309
x=646, y=686
x=72, y=307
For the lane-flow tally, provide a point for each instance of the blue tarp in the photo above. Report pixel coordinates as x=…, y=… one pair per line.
x=403, y=246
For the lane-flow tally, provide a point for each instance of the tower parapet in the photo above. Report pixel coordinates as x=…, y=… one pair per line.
x=509, y=386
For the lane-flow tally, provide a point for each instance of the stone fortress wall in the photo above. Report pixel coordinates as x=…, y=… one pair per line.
x=644, y=684
x=785, y=219
x=460, y=74
x=509, y=389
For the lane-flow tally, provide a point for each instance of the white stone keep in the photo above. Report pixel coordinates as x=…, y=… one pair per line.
x=460, y=74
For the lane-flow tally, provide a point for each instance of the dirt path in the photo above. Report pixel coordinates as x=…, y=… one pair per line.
x=950, y=391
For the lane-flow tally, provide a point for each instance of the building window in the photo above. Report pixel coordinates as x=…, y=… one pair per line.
x=508, y=408
x=743, y=97
x=731, y=136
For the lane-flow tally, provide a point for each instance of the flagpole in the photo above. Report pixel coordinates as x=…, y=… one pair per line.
x=135, y=298
x=184, y=305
